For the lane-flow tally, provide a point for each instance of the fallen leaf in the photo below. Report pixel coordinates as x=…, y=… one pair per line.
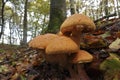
x=106, y=34
x=115, y=45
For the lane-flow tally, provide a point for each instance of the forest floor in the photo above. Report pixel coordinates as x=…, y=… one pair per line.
x=20, y=63
x=23, y=63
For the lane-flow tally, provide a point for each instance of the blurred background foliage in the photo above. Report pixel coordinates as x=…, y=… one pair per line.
x=38, y=16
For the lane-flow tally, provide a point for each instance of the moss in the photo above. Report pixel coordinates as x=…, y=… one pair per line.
x=56, y=19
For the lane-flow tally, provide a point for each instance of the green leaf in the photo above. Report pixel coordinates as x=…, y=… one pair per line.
x=112, y=63
x=22, y=77
x=106, y=34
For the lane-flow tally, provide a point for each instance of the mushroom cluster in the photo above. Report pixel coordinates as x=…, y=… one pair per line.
x=64, y=48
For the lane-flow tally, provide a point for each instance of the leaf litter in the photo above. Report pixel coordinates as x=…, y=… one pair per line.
x=22, y=63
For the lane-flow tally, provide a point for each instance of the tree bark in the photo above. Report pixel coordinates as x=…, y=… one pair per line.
x=118, y=10
x=10, y=29
x=72, y=7
x=57, y=15
x=106, y=7
x=24, y=42
x=2, y=14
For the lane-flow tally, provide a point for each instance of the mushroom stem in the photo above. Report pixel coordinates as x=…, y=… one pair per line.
x=76, y=37
x=81, y=72
x=73, y=74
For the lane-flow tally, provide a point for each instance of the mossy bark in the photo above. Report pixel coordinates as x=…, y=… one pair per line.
x=57, y=15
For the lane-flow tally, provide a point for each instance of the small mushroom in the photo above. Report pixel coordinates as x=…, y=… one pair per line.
x=78, y=58
x=75, y=25
x=62, y=44
x=76, y=20
x=41, y=41
x=81, y=56
x=60, y=47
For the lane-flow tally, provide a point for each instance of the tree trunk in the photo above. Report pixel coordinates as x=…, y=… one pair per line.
x=106, y=8
x=72, y=6
x=24, y=42
x=10, y=29
x=2, y=14
x=35, y=32
x=57, y=15
x=118, y=10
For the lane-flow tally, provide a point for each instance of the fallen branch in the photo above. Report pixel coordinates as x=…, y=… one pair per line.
x=108, y=24
x=110, y=15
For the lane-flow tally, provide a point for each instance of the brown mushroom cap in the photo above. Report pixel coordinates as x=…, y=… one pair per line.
x=62, y=45
x=60, y=33
x=42, y=41
x=77, y=20
x=81, y=56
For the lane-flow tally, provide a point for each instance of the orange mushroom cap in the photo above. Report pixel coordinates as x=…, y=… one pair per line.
x=81, y=56
x=60, y=33
x=42, y=41
x=62, y=45
x=77, y=20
